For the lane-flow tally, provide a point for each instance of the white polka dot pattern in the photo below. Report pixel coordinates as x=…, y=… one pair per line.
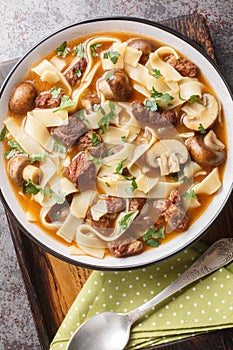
x=203, y=306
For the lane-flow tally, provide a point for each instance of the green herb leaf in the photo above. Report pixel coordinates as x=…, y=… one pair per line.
x=109, y=74
x=151, y=236
x=55, y=92
x=160, y=97
x=123, y=138
x=15, y=148
x=65, y=103
x=32, y=188
x=107, y=117
x=78, y=72
x=126, y=221
x=79, y=50
x=37, y=157
x=202, y=129
x=195, y=98
x=175, y=177
x=58, y=146
x=62, y=50
x=134, y=185
x=112, y=55
x=151, y=105
x=3, y=133
x=94, y=47
x=107, y=184
x=99, y=161
x=95, y=140
x=190, y=195
x=181, y=98
x=156, y=73
x=120, y=166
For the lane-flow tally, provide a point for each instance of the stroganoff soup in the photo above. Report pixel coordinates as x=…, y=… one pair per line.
x=114, y=144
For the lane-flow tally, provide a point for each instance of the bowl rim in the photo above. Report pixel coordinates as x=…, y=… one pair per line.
x=127, y=266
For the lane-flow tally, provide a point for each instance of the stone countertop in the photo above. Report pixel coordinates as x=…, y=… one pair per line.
x=23, y=23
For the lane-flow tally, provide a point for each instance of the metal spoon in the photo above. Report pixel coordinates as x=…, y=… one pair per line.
x=111, y=331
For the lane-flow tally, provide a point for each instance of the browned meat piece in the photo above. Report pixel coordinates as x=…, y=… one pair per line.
x=142, y=113
x=136, y=204
x=69, y=134
x=183, y=66
x=93, y=142
x=173, y=211
x=76, y=71
x=115, y=204
x=90, y=100
x=58, y=212
x=123, y=249
x=46, y=100
x=81, y=172
x=145, y=46
x=117, y=86
x=104, y=221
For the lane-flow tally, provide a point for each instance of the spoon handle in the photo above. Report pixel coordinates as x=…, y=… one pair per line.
x=218, y=255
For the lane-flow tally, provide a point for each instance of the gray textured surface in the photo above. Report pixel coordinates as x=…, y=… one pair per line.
x=23, y=23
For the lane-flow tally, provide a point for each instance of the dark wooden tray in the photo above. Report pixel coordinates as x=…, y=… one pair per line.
x=52, y=285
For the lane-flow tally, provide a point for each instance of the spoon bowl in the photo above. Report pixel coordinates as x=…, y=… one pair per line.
x=111, y=331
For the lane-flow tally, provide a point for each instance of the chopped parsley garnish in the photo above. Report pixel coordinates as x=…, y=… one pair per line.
x=158, y=98
x=202, y=129
x=175, y=177
x=123, y=138
x=3, y=133
x=151, y=105
x=37, y=158
x=134, y=185
x=55, y=92
x=99, y=161
x=190, y=195
x=195, y=98
x=181, y=98
x=95, y=140
x=94, y=47
x=62, y=50
x=107, y=184
x=112, y=55
x=156, y=73
x=58, y=146
x=151, y=236
x=32, y=188
x=109, y=74
x=78, y=72
x=79, y=50
x=65, y=103
x=104, y=122
x=120, y=166
x=15, y=148
x=126, y=221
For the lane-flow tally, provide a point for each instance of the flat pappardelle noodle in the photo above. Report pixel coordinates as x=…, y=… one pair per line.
x=122, y=138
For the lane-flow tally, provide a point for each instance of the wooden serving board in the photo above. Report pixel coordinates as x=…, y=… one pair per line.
x=52, y=285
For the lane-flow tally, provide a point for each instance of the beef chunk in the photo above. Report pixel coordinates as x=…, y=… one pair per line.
x=93, y=142
x=76, y=71
x=81, y=172
x=115, y=204
x=173, y=211
x=143, y=114
x=183, y=66
x=46, y=100
x=69, y=134
x=136, y=204
x=103, y=223
x=125, y=248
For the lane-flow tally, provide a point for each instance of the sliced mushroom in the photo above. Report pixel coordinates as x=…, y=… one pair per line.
x=204, y=114
x=167, y=154
x=206, y=150
x=116, y=85
x=22, y=98
x=144, y=45
x=15, y=167
x=33, y=173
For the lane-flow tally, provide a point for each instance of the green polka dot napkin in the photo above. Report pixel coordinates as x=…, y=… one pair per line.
x=205, y=305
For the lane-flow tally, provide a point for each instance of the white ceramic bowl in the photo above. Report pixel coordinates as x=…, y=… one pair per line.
x=210, y=71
